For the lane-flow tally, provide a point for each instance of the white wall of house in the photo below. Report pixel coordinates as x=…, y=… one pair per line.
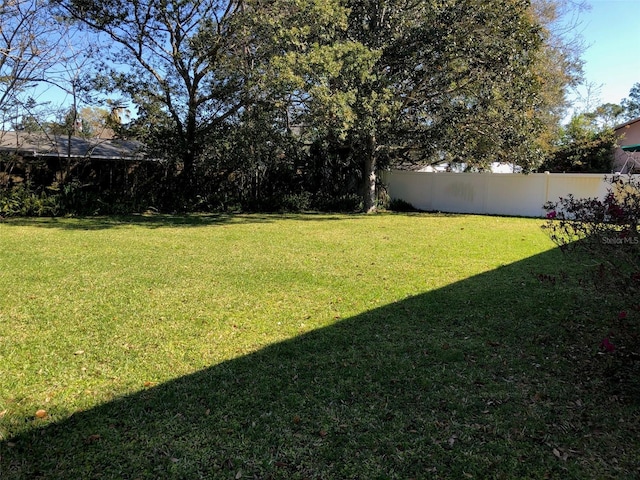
x=490, y=194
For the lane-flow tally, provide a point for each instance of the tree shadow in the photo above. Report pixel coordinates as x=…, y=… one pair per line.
x=467, y=381
x=153, y=221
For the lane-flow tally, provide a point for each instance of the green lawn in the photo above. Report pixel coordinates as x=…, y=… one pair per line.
x=303, y=346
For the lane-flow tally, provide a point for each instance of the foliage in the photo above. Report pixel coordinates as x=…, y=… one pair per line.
x=379, y=82
x=30, y=44
x=584, y=146
x=607, y=114
x=631, y=104
x=23, y=200
x=558, y=63
x=250, y=102
x=176, y=61
x=607, y=230
x=93, y=122
x=92, y=188
x=375, y=89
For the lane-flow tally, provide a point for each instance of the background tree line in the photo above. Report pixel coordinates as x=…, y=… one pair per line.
x=297, y=104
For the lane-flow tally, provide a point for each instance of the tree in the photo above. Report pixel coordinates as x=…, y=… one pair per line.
x=631, y=104
x=423, y=81
x=30, y=44
x=375, y=81
x=558, y=63
x=607, y=115
x=176, y=61
x=585, y=146
x=94, y=121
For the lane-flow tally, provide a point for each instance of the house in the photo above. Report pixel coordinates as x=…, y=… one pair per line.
x=47, y=158
x=627, y=156
x=42, y=146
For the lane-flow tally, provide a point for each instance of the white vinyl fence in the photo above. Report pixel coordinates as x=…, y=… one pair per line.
x=490, y=193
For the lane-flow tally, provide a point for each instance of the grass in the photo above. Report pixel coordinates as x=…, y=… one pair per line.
x=311, y=346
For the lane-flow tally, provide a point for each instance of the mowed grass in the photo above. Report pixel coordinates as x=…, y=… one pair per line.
x=303, y=346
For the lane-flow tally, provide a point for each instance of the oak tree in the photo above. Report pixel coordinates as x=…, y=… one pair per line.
x=176, y=61
x=400, y=80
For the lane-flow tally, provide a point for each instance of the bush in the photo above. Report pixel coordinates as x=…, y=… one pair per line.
x=23, y=200
x=607, y=231
x=346, y=203
x=299, y=202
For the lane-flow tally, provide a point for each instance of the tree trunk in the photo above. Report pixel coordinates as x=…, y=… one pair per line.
x=190, y=137
x=369, y=176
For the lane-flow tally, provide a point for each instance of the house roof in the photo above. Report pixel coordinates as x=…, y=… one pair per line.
x=43, y=145
x=626, y=124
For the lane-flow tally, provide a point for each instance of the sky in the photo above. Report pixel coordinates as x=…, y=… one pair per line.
x=611, y=32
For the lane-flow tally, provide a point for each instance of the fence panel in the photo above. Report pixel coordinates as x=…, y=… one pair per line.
x=492, y=194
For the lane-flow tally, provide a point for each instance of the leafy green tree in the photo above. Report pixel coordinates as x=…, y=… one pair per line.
x=585, y=146
x=93, y=121
x=631, y=104
x=373, y=81
x=395, y=80
x=606, y=115
x=558, y=64
x=177, y=61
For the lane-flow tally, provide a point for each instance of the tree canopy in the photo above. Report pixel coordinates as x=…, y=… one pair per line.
x=177, y=61
x=246, y=98
x=585, y=144
x=631, y=104
x=421, y=82
x=30, y=45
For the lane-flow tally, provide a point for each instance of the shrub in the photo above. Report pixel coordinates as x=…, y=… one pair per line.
x=23, y=200
x=346, y=203
x=607, y=231
x=296, y=202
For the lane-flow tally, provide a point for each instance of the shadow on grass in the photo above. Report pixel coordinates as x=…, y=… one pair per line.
x=181, y=221
x=474, y=380
x=162, y=221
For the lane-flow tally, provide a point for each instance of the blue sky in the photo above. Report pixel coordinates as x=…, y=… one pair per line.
x=611, y=30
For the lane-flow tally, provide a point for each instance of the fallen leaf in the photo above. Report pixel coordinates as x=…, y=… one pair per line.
x=323, y=433
x=78, y=352
x=41, y=413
